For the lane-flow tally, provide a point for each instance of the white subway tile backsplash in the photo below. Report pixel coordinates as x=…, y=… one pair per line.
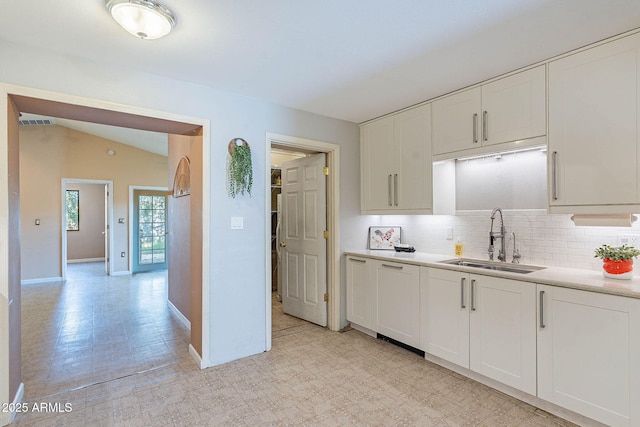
x=542, y=238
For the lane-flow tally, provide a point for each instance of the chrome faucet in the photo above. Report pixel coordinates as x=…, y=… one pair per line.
x=516, y=252
x=493, y=236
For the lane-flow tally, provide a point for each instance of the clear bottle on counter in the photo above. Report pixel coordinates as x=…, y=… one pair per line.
x=459, y=247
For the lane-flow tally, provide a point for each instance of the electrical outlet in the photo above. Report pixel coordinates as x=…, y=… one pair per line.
x=629, y=240
x=449, y=233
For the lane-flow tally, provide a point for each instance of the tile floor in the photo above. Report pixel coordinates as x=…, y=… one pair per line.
x=110, y=348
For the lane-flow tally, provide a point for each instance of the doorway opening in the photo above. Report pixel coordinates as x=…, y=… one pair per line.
x=303, y=147
x=57, y=105
x=86, y=235
x=285, y=313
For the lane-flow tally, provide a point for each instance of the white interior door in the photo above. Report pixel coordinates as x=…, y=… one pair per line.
x=106, y=229
x=304, y=247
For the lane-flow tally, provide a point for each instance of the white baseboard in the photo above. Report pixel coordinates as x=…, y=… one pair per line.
x=40, y=280
x=364, y=330
x=83, y=260
x=518, y=394
x=7, y=418
x=194, y=353
x=181, y=317
x=120, y=273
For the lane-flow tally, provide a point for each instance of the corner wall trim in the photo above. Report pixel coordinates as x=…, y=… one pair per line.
x=194, y=353
x=8, y=417
x=181, y=317
x=40, y=280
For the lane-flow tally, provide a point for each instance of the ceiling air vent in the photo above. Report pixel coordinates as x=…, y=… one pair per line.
x=37, y=122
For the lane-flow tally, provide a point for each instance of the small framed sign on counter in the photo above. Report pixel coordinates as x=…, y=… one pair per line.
x=384, y=237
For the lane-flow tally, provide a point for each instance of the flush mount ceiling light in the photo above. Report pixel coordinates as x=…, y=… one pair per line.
x=146, y=19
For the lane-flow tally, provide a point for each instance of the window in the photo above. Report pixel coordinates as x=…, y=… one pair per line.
x=73, y=210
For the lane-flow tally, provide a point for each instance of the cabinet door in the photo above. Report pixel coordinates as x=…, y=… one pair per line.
x=377, y=163
x=503, y=331
x=444, y=314
x=514, y=107
x=456, y=122
x=398, y=301
x=412, y=177
x=359, y=292
x=594, y=126
x=588, y=353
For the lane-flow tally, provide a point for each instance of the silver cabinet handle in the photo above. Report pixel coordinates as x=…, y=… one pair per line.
x=554, y=175
x=395, y=189
x=395, y=267
x=475, y=128
x=389, y=186
x=462, y=279
x=357, y=260
x=485, y=124
x=542, y=325
x=473, y=295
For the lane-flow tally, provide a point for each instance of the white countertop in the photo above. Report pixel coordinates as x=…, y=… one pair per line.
x=587, y=280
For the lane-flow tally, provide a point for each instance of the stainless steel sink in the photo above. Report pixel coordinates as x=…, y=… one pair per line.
x=488, y=265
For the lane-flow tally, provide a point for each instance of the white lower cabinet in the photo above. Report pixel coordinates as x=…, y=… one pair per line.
x=589, y=354
x=483, y=323
x=576, y=349
x=444, y=314
x=360, y=291
x=397, y=301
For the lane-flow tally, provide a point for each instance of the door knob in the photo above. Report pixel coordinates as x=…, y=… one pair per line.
x=283, y=245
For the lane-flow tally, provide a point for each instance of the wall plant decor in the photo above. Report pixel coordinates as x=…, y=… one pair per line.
x=239, y=168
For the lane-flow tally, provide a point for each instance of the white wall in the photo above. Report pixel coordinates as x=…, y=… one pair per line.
x=237, y=295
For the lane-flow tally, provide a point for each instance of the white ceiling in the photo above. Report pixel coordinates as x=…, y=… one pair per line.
x=350, y=59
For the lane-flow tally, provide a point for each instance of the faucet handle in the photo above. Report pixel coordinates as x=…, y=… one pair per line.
x=516, y=256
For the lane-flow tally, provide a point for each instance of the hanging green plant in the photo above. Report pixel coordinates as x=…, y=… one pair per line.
x=240, y=168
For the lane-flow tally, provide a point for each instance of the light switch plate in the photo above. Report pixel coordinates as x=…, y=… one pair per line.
x=237, y=223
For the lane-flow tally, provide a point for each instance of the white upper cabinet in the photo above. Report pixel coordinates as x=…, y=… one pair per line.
x=505, y=110
x=377, y=164
x=514, y=108
x=456, y=123
x=594, y=129
x=396, y=163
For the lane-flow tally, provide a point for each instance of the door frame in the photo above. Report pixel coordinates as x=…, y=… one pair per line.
x=65, y=182
x=88, y=109
x=333, y=222
x=132, y=188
